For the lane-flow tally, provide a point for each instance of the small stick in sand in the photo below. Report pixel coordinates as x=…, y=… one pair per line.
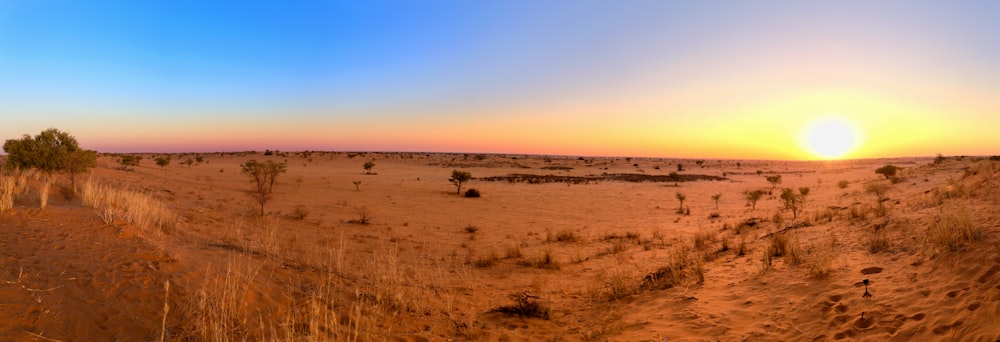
x=867, y=294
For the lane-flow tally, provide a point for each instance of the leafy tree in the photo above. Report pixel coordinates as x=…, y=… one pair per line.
x=368, y=166
x=774, y=180
x=716, y=198
x=51, y=151
x=459, y=177
x=888, y=171
x=163, y=161
x=752, y=197
x=680, y=198
x=199, y=158
x=129, y=161
x=263, y=175
x=189, y=162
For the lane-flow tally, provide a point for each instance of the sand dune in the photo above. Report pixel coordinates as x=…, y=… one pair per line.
x=604, y=258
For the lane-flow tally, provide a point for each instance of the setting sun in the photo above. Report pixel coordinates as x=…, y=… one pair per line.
x=830, y=137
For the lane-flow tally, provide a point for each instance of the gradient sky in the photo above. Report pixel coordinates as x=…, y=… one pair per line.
x=729, y=79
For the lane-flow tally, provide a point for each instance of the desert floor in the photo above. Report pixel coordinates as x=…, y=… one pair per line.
x=181, y=250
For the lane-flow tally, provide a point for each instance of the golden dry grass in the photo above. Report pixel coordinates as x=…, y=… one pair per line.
x=115, y=205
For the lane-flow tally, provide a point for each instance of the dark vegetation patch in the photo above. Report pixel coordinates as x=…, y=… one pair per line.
x=620, y=177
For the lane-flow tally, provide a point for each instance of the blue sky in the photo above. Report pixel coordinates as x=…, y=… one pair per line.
x=571, y=77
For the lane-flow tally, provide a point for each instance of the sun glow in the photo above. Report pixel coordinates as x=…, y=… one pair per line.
x=830, y=137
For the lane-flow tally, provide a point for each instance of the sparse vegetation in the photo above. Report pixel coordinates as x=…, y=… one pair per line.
x=368, y=166
x=525, y=305
x=680, y=198
x=263, y=175
x=129, y=162
x=300, y=212
x=888, y=171
x=162, y=162
x=472, y=193
x=843, y=184
x=716, y=198
x=774, y=180
x=792, y=201
x=752, y=197
x=458, y=178
x=357, y=185
x=954, y=229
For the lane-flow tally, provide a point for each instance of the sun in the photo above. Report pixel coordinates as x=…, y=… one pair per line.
x=830, y=137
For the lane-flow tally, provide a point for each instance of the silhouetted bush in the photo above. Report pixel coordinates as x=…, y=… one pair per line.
x=472, y=193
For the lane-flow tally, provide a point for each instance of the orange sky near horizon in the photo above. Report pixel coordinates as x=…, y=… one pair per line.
x=664, y=79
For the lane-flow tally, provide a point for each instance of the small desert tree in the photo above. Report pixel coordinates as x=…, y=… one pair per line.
x=888, y=171
x=163, y=161
x=189, y=162
x=752, y=197
x=458, y=178
x=716, y=198
x=792, y=201
x=263, y=175
x=774, y=180
x=368, y=166
x=680, y=198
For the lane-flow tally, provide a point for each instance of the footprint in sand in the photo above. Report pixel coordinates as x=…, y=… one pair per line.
x=918, y=317
x=871, y=270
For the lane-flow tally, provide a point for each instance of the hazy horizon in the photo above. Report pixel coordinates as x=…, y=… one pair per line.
x=772, y=81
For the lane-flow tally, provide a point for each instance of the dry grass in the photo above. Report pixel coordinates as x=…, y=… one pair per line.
x=704, y=240
x=8, y=185
x=954, y=228
x=565, y=235
x=784, y=245
x=878, y=240
x=43, y=192
x=487, y=259
x=683, y=265
x=116, y=205
x=219, y=310
x=818, y=259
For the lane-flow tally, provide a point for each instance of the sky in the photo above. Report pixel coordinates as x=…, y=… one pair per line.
x=684, y=79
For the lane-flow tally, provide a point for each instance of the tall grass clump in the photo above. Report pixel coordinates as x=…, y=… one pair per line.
x=954, y=228
x=139, y=209
x=43, y=192
x=8, y=186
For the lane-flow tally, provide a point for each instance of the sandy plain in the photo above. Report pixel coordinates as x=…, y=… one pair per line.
x=554, y=259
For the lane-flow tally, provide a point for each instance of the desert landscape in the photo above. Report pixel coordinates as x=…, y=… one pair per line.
x=445, y=170
x=567, y=250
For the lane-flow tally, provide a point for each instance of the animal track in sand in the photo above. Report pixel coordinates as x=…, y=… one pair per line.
x=973, y=306
x=871, y=270
x=918, y=317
